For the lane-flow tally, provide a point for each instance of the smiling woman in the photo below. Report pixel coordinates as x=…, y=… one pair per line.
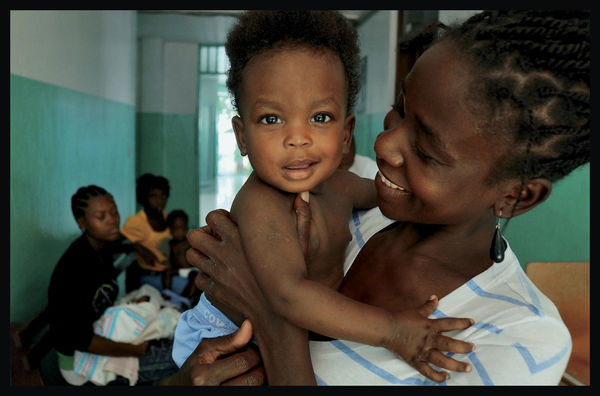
x=492, y=115
x=294, y=79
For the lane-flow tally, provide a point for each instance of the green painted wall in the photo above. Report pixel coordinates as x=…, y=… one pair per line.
x=60, y=140
x=557, y=230
x=167, y=147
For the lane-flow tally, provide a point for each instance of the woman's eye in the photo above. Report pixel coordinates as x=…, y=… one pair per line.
x=270, y=119
x=421, y=154
x=321, y=118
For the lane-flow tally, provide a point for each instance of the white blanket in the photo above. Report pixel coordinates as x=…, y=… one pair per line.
x=129, y=322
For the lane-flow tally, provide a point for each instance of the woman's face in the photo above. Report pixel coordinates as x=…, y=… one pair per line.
x=433, y=161
x=157, y=199
x=101, y=219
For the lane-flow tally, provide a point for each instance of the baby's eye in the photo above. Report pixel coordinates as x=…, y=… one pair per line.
x=270, y=119
x=321, y=118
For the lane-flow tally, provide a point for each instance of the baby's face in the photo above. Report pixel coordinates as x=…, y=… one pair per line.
x=294, y=124
x=179, y=229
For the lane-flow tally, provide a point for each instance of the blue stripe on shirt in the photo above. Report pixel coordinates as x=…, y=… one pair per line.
x=359, y=238
x=535, y=367
x=482, y=293
x=361, y=361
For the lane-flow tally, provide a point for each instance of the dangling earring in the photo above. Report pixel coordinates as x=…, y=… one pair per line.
x=498, y=243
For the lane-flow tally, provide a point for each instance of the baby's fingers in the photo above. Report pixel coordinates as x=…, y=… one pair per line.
x=428, y=371
x=448, y=324
x=444, y=343
x=445, y=362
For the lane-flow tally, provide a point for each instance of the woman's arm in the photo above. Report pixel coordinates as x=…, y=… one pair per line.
x=103, y=346
x=227, y=276
x=221, y=361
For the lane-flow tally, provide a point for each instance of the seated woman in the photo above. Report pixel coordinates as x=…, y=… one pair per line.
x=489, y=117
x=149, y=233
x=83, y=285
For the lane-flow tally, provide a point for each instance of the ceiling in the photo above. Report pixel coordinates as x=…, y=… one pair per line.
x=355, y=16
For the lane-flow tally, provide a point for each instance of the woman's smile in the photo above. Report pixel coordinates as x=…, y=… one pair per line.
x=390, y=184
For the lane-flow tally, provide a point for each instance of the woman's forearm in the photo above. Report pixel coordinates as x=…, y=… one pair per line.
x=285, y=352
x=104, y=346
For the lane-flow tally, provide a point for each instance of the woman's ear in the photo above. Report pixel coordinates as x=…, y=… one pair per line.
x=349, y=123
x=81, y=224
x=240, y=137
x=523, y=198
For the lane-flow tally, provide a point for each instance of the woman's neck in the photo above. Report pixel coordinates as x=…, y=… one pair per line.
x=156, y=219
x=97, y=244
x=463, y=249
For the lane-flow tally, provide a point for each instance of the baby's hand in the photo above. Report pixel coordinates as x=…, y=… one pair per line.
x=418, y=340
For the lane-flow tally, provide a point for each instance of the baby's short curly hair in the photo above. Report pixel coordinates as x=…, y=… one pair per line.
x=258, y=31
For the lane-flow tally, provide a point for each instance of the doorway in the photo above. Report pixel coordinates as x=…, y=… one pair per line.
x=222, y=169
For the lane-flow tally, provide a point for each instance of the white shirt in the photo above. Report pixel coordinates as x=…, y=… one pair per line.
x=519, y=336
x=364, y=166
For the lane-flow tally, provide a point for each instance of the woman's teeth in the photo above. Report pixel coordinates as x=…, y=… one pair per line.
x=389, y=183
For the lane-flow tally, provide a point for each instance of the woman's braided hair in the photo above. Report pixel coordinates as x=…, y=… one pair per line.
x=79, y=200
x=258, y=31
x=533, y=75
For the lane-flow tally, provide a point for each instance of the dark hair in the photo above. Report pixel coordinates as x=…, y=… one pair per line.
x=147, y=182
x=532, y=73
x=79, y=200
x=258, y=31
x=175, y=214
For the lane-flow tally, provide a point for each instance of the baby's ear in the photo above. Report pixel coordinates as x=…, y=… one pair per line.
x=240, y=136
x=527, y=197
x=349, y=123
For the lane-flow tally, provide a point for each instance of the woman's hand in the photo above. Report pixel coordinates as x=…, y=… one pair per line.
x=219, y=361
x=148, y=260
x=216, y=250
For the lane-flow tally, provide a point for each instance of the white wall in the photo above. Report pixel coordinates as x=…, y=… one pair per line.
x=168, y=71
x=88, y=51
x=168, y=76
x=448, y=17
x=206, y=30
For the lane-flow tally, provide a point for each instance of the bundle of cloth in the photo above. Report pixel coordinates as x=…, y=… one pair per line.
x=139, y=316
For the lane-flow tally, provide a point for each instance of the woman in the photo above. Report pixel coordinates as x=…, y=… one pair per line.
x=489, y=118
x=84, y=284
x=149, y=232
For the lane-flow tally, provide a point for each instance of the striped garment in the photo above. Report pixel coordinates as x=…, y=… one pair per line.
x=122, y=324
x=132, y=323
x=519, y=336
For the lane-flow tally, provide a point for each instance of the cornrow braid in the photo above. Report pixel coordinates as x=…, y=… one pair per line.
x=79, y=200
x=535, y=85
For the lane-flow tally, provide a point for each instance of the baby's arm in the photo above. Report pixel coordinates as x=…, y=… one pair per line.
x=359, y=189
x=271, y=244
